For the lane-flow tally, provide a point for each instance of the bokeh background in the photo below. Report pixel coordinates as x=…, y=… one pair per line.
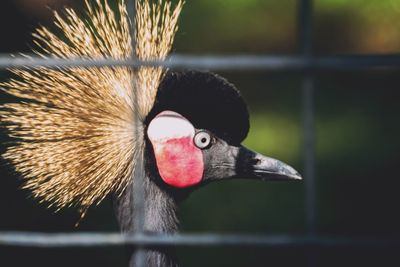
x=357, y=131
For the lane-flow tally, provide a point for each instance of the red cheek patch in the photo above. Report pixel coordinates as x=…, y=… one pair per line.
x=179, y=161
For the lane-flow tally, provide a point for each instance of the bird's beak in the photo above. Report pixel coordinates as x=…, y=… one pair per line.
x=224, y=161
x=250, y=164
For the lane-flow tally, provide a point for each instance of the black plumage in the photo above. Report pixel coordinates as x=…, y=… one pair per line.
x=207, y=100
x=213, y=104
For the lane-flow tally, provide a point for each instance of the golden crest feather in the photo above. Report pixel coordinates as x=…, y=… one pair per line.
x=74, y=136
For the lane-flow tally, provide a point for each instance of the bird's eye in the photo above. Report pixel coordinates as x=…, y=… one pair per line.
x=202, y=140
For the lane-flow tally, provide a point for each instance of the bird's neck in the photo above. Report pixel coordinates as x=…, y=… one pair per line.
x=160, y=209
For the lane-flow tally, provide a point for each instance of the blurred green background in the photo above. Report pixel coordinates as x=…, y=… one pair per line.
x=357, y=131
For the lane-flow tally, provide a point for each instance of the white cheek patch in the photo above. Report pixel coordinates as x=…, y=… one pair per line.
x=169, y=125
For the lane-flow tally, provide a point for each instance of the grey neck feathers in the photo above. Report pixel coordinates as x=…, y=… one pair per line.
x=160, y=217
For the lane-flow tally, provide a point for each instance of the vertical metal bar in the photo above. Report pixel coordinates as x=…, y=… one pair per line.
x=306, y=49
x=309, y=154
x=305, y=27
x=138, y=259
x=308, y=84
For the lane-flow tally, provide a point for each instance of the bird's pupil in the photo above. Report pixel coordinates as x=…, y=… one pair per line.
x=203, y=140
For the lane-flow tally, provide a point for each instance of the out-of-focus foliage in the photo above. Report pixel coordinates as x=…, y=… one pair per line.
x=358, y=25
x=341, y=26
x=237, y=26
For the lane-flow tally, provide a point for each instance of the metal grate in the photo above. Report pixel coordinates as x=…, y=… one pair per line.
x=306, y=63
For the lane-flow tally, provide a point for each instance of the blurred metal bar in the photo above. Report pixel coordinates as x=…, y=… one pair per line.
x=138, y=258
x=305, y=44
x=222, y=63
x=309, y=153
x=46, y=240
x=305, y=17
x=305, y=14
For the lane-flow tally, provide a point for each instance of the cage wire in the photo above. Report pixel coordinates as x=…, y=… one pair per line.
x=304, y=62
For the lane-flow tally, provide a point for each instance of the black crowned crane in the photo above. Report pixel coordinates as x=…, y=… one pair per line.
x=193, y=136
x=83, y=133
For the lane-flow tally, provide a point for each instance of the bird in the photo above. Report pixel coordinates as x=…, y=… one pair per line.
x=193, y=137
x=82, y=134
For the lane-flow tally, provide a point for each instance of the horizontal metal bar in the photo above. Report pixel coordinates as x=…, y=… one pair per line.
x=249, y=62
x=59, y=240
x=233, y=62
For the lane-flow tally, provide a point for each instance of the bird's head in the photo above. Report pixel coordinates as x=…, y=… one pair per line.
x=195, y=132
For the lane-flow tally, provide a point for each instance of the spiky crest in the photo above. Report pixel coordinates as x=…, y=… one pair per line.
x=75, y=140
